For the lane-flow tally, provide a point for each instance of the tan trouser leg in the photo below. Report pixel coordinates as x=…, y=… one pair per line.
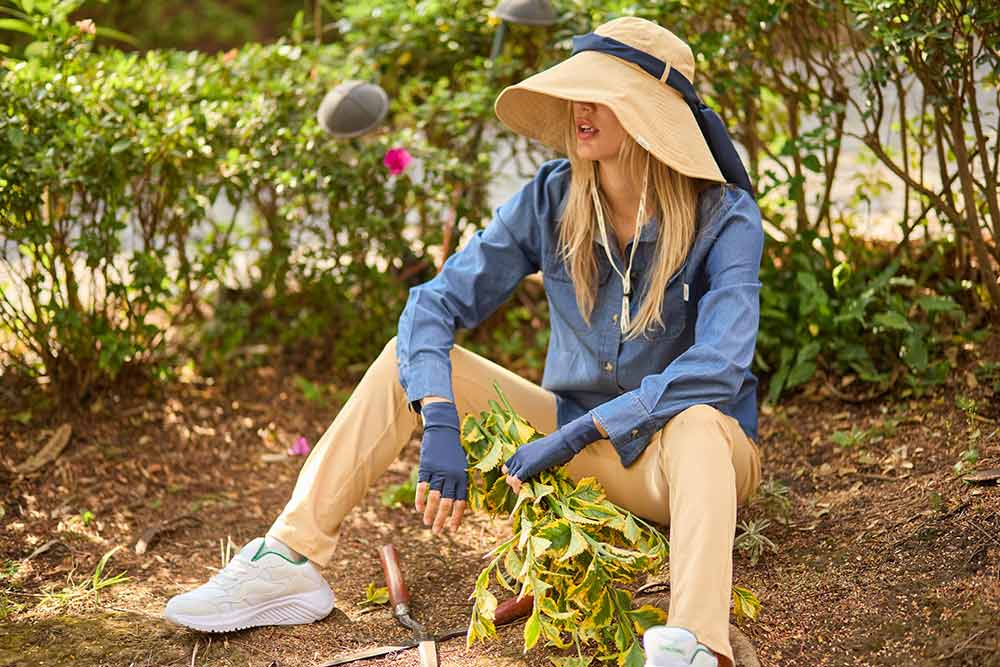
x=691, y=476
x=694, y=471
x=370, y=431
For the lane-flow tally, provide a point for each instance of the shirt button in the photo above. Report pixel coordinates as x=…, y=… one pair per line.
x=635, y=432
x=608, y=366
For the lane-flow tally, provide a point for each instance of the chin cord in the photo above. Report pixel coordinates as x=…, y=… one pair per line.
x=624, y=320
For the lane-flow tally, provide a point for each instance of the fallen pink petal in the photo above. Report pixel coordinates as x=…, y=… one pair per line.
x=396, y=159
x=300, y=448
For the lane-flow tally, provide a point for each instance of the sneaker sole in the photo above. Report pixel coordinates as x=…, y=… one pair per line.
x=288, y=610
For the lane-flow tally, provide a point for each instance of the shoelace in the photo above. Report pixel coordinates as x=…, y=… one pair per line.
x=627, y=276
x=230, y=573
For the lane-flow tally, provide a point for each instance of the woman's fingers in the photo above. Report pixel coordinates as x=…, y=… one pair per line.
x=514, y=483
x=456, y=514
x=444, y=511
x=420, y=498
x=433, y=500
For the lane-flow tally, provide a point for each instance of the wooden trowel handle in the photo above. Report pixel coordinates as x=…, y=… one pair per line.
x=512, y=609
x=398, y=593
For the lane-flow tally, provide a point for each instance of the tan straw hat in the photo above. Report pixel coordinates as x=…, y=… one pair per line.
x=655, y=114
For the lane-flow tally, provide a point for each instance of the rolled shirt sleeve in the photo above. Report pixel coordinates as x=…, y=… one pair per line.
x=471, y=285
x=711, y=371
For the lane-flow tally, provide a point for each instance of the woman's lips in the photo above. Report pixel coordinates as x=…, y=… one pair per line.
x=585, y=136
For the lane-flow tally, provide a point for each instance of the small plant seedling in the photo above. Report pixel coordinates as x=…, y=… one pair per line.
x=92, y=585
x=849, y=439
x=402, y=494
x=752, y=540
x=375, y=595
x=773, y=497
x=313, y=392
x=966, y=460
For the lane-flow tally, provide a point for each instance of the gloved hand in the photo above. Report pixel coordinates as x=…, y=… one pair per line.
x=442, y=459
x=554, y=449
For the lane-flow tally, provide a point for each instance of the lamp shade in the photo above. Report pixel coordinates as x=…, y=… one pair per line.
x=527, y=12
x=352, y=108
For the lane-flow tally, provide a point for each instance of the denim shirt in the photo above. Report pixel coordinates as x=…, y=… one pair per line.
x=702, y=355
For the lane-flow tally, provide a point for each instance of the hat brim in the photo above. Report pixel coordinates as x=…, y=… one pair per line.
x=652, y=112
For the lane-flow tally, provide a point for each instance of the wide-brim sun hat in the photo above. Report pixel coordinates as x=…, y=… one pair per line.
x=653, y=113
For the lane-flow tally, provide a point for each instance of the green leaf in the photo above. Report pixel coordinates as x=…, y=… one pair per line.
x=532, y=630
x=487, y=603
x=603, y=610
x=745, y=603
x=632, y=532
x=17, y=25
x=539, y=545
x=470, y=429
x=633, y=657
x=523, y=430
x=111, y=33
x=577, y=543
x=937, y=304
x=647, y=616
x=376, y=595
x=572, y=661
x=492, y=458
x=893, y=320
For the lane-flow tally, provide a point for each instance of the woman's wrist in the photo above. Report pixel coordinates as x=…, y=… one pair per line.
x=600, y=428
x=432, y=399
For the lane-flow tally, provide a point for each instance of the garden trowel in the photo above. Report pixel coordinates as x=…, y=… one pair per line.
x=399, y=597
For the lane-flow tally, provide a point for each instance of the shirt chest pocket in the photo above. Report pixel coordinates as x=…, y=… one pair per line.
x=561, y=291
x=674, y=311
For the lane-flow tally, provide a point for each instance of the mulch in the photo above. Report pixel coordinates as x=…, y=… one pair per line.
x=887, y=557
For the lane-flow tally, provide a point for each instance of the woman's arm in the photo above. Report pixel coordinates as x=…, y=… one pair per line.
x=472, y=284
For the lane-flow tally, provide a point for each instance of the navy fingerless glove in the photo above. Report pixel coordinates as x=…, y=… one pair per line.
x=554, y=449
x=442, y=459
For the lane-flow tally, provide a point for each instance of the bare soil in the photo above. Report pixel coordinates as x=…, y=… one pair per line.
x=886, y=557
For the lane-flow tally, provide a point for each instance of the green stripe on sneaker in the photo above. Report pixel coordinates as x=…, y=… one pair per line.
x=262, y=549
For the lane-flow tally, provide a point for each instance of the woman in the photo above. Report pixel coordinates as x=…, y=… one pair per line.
x=647, y=382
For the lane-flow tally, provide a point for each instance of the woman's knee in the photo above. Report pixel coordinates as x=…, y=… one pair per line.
x=699, y=429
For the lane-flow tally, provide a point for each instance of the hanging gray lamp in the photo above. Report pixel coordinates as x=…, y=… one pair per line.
x=527, y=12
x=524, y=12
x=352, y=108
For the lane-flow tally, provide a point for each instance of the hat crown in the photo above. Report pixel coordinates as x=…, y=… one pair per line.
x=652, y=38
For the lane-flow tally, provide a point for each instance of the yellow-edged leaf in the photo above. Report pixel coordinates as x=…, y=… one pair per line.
x=532, y=630
x=577, y=543
x=745, y=603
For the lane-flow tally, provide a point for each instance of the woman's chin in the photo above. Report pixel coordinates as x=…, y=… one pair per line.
x=589, y=152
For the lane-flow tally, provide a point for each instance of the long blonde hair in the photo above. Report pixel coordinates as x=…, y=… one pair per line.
x=674, y=197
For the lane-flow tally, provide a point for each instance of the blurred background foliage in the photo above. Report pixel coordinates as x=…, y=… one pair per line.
x=167, y=194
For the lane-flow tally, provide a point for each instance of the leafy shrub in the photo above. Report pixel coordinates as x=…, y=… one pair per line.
x=855, y=319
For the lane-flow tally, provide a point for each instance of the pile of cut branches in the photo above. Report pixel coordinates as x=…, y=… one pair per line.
x=571, y=549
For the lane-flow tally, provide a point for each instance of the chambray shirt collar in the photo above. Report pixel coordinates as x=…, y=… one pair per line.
x=649, y=233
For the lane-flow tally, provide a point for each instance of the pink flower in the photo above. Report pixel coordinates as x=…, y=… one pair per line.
x=300, y=448
x=396, y=160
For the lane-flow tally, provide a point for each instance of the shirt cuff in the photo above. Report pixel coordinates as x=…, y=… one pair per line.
x=426, y=377
x=627, y=422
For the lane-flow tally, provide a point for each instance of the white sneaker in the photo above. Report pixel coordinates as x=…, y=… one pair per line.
x=669, y=646
x=257, y=587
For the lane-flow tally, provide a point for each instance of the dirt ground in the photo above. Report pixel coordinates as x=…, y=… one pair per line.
x=886, y=556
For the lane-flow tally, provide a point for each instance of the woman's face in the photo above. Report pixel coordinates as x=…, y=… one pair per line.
x=605, y=137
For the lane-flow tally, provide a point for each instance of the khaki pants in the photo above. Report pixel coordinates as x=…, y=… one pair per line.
x=691, y=476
